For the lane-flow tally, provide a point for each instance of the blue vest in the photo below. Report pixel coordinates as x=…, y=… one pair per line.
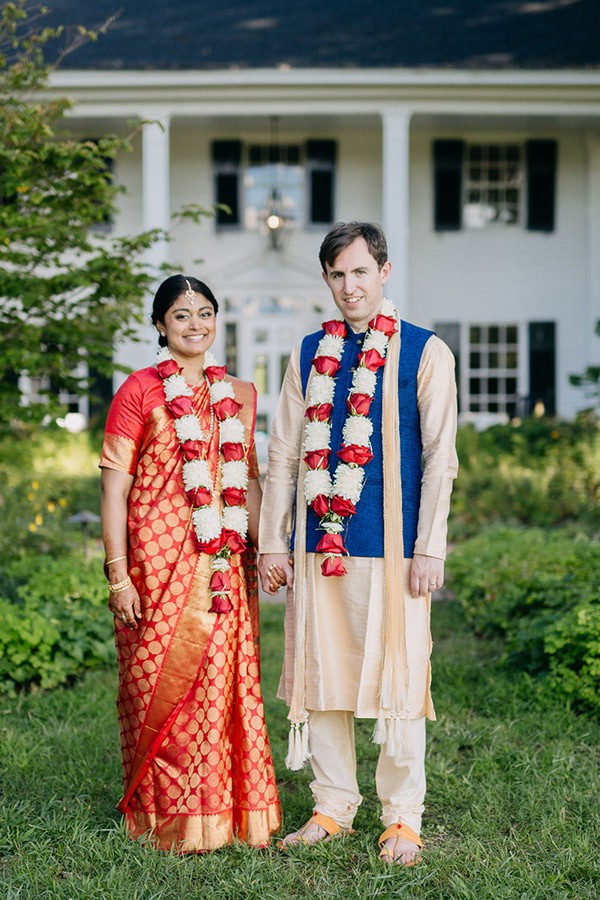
x=364, y=531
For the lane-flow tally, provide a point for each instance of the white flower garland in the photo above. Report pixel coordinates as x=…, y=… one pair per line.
x=330, y=492
x=230, y=527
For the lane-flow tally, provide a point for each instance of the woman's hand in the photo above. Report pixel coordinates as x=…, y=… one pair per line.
x=127, y=607
x=275, y=570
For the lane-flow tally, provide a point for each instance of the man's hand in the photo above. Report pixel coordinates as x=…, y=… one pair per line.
x=275, y=570
x=426, y=575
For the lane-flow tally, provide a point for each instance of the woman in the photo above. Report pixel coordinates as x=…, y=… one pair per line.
x=180, y=498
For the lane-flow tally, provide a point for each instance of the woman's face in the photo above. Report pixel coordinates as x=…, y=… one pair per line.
x=190, y=327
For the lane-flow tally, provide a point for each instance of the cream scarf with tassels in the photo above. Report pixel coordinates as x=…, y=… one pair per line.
x=391, y=727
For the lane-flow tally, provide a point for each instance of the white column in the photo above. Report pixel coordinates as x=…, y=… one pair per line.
x=156, y=213
x=395, y=201
x=155, y=184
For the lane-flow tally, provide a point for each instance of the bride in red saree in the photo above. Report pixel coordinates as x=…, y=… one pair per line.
x=180, y=498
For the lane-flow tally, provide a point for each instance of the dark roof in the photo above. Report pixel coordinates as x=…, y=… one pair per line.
x=217, y=34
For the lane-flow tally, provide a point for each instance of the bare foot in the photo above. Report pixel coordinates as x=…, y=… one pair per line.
x=399, y=850
x=310, y=833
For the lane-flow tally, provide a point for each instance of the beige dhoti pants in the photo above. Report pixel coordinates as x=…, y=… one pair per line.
x=400, y=782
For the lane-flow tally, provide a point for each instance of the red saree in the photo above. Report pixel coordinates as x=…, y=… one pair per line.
x=197, y=765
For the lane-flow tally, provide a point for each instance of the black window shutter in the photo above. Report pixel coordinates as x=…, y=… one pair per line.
x=227, y=158
x=541, y=185
x=448, y=172
x=320, y=163
x=542, y=366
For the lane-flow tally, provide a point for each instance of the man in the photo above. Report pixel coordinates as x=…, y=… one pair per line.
x=361, y=464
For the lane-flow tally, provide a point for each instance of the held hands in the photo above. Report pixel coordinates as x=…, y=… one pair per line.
x=126, y=607
x=426, y=575
x=275, y=570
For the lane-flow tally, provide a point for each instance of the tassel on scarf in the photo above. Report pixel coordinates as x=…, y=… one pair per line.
x=298, y=751
x=379, y=735
x=394, y=732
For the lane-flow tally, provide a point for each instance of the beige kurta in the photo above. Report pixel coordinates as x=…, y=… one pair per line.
x=344, y=646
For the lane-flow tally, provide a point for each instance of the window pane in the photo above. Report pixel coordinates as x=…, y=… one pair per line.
x=474, y=386
x=493, y=334
x=511, y=385
x=493, y=359
x=261, y=373
x=511, y=359
x=475, y=360
x=511, y=334
x=231, y=347
x=475, y=334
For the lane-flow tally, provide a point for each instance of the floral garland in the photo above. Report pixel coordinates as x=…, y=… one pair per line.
x=334, y=498
x=217, y=534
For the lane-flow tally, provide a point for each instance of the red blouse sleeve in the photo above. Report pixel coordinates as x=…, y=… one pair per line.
x=124, y=428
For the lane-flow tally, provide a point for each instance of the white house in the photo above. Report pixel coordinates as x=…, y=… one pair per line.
x=469, y=130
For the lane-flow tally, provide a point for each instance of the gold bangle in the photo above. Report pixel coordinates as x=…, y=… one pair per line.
x=119, y=586
x=116, y=559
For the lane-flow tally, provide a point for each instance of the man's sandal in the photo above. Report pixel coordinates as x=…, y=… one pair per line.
x=398, y=830
x=329, y=826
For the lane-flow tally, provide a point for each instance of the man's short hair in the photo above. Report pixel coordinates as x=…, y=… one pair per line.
x=345, y=233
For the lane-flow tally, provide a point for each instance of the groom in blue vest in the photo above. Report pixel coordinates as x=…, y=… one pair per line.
x=361, y=464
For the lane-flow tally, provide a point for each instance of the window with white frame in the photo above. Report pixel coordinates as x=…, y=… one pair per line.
x=493, y=185
x=296, y=180
x=493, y=362
x=273, y=175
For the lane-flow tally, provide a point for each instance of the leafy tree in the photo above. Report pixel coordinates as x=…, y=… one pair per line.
x=67, y=290
x=589, y=379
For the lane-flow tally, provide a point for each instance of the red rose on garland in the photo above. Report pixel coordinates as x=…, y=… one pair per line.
x=227, y=407
x=192, y=449
x=317, y=459
x=181, y=406
x=234, y=496
x=319, y=413
x=385, y=324
x=320, y=505
x=331, y=543
x=167, y=367
x=232, y=451
x=220, y=582
x=202, y=496
x=354, y=454
x=215, y=373
x=333, y=565
x=359, y=404
x=335, y=327
x=371, y=359
x=341, y=506
x=211, y=546
x=326, y=365
x=234, y=541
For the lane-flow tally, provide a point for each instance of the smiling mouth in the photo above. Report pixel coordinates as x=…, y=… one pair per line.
x=195, y=337
x=352, y=299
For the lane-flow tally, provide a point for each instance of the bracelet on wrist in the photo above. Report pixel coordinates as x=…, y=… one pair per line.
x=116, y=559
x=119, y=586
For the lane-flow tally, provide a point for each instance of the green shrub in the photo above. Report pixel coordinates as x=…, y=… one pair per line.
x=538, y=472
x=55, y=621
x=540, y=591
x=47, y=476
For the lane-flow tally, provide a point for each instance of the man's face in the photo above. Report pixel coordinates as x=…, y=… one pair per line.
x=357, y=284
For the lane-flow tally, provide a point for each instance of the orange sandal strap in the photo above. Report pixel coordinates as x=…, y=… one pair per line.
x=400, y=830
x=326, y=822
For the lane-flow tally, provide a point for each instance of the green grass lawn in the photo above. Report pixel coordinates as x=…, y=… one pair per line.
x=512, y=807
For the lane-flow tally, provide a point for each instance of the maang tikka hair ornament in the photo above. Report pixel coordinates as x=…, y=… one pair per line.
x=190, y=294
